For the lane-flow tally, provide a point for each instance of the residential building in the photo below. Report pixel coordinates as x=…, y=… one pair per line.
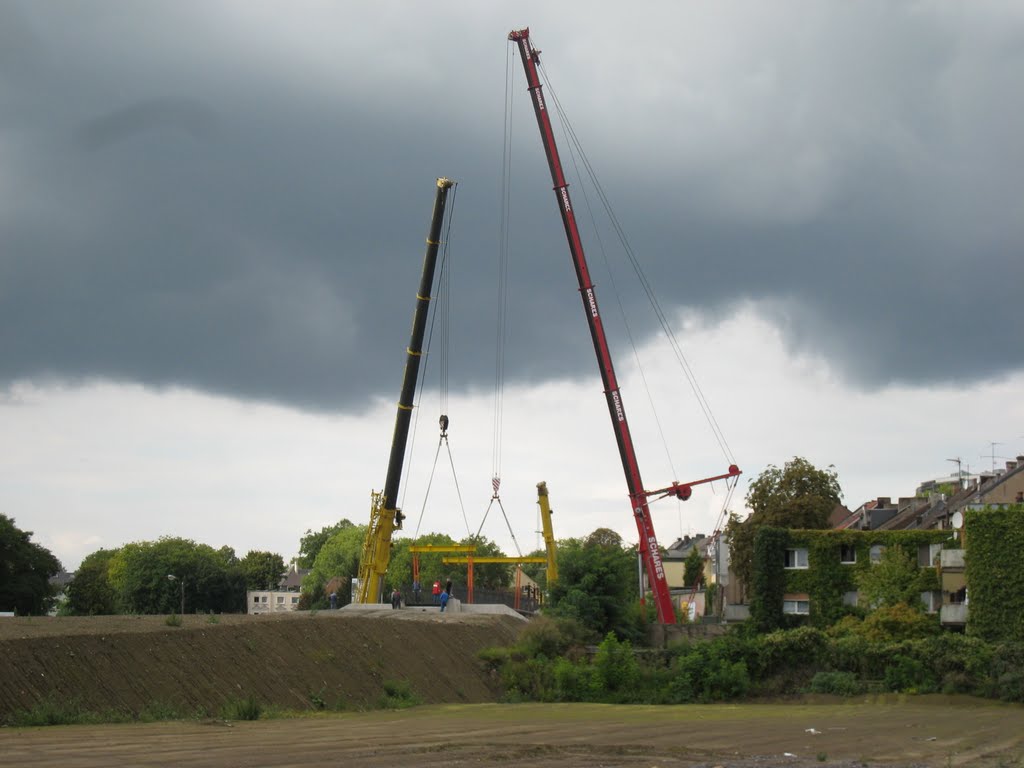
x=283, y=599
x=674, y=559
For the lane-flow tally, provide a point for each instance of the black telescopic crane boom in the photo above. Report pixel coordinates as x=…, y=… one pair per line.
x=385, y=517
x=415, y=349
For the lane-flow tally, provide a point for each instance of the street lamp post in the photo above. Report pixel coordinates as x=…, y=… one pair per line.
x=172, y=577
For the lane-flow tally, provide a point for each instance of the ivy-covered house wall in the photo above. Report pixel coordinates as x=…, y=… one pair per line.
x=994, y=565
x=833, y=560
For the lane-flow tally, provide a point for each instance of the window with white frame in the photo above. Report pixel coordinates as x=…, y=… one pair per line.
x=850, y=598
x=876, y=552
x=796, y=558
x=280, y=598
x=796, y=607
x=847, y=554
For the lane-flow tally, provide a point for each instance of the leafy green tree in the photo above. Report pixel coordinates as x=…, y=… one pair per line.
x=89, y=593
x=212, y=579
x=537, y=571
x=485, y=575
x=895, y=579
x=339, y=556
x=693, y=567
x=25, y=571
x=596, y=584
x=797, y=496
x=262, y=570
x=311, y=544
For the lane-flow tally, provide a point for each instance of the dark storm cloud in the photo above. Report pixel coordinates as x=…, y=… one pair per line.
x=236, y=199
x=187, y=116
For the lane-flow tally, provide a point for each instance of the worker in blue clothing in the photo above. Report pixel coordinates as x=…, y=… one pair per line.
x=444, y=600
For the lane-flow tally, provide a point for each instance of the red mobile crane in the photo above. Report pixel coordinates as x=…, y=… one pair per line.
x=637, y=495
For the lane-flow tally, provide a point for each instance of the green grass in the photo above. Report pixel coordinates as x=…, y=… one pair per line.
x=242, y=709
x=398, y=694
x=55, y=711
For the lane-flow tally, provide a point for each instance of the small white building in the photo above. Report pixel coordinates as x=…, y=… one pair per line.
x=264, y=601
x=284, y=598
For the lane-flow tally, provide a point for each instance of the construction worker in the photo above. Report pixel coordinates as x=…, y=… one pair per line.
x=437, y=591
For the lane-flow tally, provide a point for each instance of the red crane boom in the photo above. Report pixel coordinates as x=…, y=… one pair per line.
x=638, y=498
x=637, y=495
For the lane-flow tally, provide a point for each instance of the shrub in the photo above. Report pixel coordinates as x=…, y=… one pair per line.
x=529, y=680
x=961, y=662
x=398, y=694
x=846, y=626
x=574, y=681
x=174, y=620
x=615, y=667
x=838, y=683
x=550, y=637
x=899, y=622
x=782, y=650
x=909, y=675
x=242, y=709
x=1007, y=678
x=706, y=673
x=155, y=711
x=51, y=711
x=494, y=658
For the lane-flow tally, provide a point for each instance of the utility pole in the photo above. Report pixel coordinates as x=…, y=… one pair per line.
x=172, y=577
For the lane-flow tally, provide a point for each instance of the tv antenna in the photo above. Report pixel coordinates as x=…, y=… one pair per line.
x=959, y=470
x=992, y=454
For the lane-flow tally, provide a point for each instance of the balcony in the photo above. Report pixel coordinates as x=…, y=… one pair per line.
x=951, y=559
x=953, y=614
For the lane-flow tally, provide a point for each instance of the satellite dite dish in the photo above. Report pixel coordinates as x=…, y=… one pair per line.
x=957, y=520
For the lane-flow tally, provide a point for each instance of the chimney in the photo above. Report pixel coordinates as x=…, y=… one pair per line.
x=884, y=501
x=1011, y=465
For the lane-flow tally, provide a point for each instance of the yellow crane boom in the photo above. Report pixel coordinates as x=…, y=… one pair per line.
x=549, y=533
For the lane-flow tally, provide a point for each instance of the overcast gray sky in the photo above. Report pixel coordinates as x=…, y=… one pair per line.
x=219, y=208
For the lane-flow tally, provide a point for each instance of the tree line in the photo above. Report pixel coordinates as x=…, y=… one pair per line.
x=597, y=584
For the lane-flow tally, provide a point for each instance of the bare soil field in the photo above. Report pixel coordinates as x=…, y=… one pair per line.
x=930, y=731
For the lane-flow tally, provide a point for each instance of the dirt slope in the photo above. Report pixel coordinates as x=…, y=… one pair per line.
x=340, y=659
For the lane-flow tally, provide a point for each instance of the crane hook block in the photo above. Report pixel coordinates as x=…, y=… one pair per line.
x=443, y=421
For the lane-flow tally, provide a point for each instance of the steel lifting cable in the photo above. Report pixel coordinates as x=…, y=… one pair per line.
x=502, y=305
x=615, y=291
x=502, y=297
x=641, y=276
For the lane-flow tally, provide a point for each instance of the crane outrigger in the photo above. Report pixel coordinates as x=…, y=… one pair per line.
x=648, y=544
x=385, y=516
